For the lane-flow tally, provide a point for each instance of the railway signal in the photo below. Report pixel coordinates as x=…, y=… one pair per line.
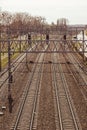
x=29, y=38
x=64, y=37
x=47, y=38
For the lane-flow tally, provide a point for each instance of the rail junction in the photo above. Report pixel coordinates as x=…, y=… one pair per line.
x=44, y=84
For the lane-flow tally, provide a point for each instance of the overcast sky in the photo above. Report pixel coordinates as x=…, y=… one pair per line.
x=74, y=10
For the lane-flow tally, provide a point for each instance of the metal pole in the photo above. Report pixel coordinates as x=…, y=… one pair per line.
x=76, y=33
x=1, y=120
x=20, y=44
x=9, y=75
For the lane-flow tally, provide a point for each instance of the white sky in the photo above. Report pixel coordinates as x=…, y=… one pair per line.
x=74, y=10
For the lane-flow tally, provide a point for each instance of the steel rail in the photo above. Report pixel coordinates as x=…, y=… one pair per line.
x=65, y=87
x=6, y=70
x=17, y=62
x=79, y=66
x=80, y=76
x=24, y=99
x=36, y=96
x=55, y=84
x=27, y=88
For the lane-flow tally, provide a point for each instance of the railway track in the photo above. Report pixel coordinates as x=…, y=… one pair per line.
x=76, y=69
x=21, y=67
x=65, y=114
x=27, y=109
x=4, y=77
x=76, y=76
x=78, y=72
x=15, y=65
